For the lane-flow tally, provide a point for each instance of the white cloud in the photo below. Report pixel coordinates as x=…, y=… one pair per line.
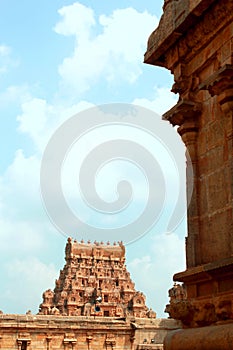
x=30, y=277
x=21, y=180
x=14, y=95
x=39, y=119
x=19, y=237
x=153, y=272
x=22, y=219
x=6, y=60
x=4, y=50
x=113, y=55
x=110, y=49
x=77, y=20
x=25, y=231
x=163, y=100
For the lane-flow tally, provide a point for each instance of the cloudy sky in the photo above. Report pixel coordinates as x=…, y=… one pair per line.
x=58, y=58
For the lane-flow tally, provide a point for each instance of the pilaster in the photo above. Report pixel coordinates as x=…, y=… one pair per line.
x=48, y=341
x=69, y=342
x=110, y=342
x=185, y=114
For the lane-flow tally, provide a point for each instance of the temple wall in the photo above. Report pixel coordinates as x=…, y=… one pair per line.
x=194, y=40
x=34, y=332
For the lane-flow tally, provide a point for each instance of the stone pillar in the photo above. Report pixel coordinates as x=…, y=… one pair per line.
x=89, y=340
x=132, y=340
x=48, y=340
x=194, y=40
x=110, y=342
x=19, y=343
x=185, y=114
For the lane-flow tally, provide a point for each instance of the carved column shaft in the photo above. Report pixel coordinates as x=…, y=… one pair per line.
x=48, y=340
x=89, y=340
x=190, y=137
x=185, y=114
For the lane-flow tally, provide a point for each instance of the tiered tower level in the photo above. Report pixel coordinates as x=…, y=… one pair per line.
x=94, y=282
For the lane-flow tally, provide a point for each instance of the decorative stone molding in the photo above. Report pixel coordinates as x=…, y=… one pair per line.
x=181, y=32
x=185, y=114
x=150, y=347
x=110, y=341
x=23, y=340
x=183, y=111
x=89, y=338
x=206, y=304
x=69, y=341
x=197, y=313
x=221, y=84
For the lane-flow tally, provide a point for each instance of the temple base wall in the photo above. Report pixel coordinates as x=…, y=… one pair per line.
x=36, y=332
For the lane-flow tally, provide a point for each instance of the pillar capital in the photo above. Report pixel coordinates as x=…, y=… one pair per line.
x=185, y=114
x=49, y=338
x=69, y=340
x=110, y=341
x=89, y=338
x=22, y=340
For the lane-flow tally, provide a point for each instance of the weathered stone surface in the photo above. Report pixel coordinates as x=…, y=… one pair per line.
x=26, y=332
x=209, y=338
x=194, y=41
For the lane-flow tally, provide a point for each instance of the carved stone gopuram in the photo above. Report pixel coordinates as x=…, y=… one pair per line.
x=94, y=306
x=194, y=40
x=95, y=281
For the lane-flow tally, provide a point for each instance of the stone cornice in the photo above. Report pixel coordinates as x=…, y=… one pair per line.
x=177, y=18
x=185, y=29
x=182, y=112
x=203, y=272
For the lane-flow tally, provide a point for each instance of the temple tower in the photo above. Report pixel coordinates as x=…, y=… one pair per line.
x=194, y=40
x=94, y=282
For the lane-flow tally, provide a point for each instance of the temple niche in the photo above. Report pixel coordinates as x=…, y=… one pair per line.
x=95, y=282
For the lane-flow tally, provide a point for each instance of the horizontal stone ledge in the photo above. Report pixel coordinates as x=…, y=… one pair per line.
x=175, y=21
x=205, y=338
x=218, y=267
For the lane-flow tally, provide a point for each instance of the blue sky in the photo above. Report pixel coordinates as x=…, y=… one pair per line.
x=56, y=59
